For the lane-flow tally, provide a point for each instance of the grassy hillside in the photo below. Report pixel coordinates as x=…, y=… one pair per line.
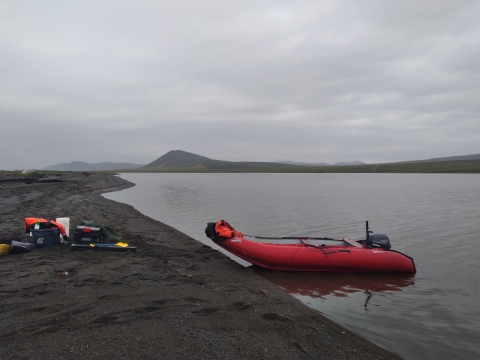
x=178, y=160
x=461, y=166
x=182, y=161
x=446, y=159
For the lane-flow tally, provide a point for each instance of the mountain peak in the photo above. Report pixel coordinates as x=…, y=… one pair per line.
x=178, y=158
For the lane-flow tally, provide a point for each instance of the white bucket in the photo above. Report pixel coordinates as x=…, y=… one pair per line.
x=65, y=222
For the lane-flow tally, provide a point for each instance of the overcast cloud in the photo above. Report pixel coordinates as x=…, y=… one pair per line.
x=127, y=81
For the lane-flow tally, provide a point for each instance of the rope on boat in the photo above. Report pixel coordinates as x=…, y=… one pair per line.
x=307, y=242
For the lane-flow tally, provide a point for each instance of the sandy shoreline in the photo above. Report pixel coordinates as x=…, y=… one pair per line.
x=173, y=298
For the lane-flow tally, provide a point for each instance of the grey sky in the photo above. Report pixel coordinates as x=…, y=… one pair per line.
x=127, y=81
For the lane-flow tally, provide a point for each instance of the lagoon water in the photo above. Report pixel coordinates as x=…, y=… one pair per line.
x=434, y=218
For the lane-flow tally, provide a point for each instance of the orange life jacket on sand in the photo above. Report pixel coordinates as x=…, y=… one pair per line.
x=225, y=230
x=44, y=224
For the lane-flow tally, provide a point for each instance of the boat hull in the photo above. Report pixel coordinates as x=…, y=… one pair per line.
x=299, y=257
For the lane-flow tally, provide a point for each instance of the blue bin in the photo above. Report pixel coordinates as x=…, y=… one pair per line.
x=45, y=237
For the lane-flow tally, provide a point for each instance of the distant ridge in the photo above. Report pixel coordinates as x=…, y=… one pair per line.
x=300, y=163
x=178, y=158
x=349, y=163
x=442, y=159
x=83, y=166
x=184, y=159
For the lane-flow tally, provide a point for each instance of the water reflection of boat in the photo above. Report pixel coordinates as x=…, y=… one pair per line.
x=336, y=284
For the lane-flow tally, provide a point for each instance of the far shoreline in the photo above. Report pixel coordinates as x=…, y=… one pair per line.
x=443, y=167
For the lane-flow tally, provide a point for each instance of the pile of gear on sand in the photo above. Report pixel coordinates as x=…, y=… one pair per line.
x=89, y=235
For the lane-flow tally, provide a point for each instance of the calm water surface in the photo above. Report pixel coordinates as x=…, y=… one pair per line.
x=435, y=219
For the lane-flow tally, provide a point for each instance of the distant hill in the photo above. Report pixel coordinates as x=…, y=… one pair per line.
x=184, y=159
x=299, y=163
x=178, y=158
x=350, y=163
x=449, y=158
x=83, y=166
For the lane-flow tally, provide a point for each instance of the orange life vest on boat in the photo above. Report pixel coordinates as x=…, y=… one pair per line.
x=225, y=230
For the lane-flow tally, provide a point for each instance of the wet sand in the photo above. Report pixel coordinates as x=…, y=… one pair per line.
x=173, y=298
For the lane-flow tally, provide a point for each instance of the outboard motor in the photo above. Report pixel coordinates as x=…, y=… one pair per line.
x=379, y=241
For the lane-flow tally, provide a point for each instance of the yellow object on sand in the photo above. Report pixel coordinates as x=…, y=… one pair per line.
x=4, y=249
x=121, y=244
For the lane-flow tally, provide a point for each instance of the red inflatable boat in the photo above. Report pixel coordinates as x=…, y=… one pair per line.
x=312, y=254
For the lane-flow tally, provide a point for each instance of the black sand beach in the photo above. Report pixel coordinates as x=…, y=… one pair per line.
x=173, y=298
